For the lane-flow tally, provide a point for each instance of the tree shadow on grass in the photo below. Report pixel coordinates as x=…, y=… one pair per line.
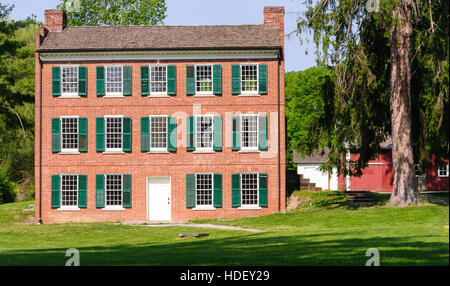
x=247, y=250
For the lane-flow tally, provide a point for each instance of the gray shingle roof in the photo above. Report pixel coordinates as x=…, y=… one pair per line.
x=317, y=157
x=105, y=38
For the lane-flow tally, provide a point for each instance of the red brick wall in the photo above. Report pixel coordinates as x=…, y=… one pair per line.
x=140, y=164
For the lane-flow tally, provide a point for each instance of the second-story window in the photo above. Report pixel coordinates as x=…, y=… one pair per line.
x=249, y=131
x=113, y=133
x=249, y=78
x=114, y=80
x=204, y=132
x=69, y=133
x=158, y=133
x=203, y=79
x=158, y=79
x=69, y=81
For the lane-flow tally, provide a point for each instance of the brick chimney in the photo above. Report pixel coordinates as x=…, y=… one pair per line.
x=55, y=20
x=274, y=18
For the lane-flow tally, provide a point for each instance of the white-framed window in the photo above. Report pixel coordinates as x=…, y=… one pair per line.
x=113, y=133
x=113, y=80
x=158, y=79
x=69, y=133
x=204, y=186
x=69, y=190
x=203, y=79
x=443, y=170
x=249, y=78
x=113, y=190
x=249, y=132
x=158, y=132
x=417, y=169
x=204, y=130
x=69, y=80
x=249, y=189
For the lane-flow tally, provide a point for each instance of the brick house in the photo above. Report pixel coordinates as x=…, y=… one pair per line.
x=163, y=123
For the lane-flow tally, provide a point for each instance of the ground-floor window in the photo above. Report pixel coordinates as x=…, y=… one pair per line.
x=443, y=170
x=113, y=189
x=249, y=189
x=69, y=190
x=204, y=189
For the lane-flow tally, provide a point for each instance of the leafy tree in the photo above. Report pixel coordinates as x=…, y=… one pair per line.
x=16, y=98
x=306, y=110
x=391, y=67
x=114, y=12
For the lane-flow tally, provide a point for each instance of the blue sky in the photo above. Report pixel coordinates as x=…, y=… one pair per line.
x=209, y=12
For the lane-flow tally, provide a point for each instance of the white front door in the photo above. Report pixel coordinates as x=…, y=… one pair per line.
x=158, y=202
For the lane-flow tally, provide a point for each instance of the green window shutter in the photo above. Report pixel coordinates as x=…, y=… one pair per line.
x=56, y=135
x=100, y=134
x=218, y=190
x=126, y=191
x=190, y=80
x=56, y=191
x=145, y=134
x=100, y=81
x=171, y=80
x=82, y=134
x=235, y=79
x=263, y=190
x=171, y=134
x=56, y=81
x=82, y=191
x=236, y=130
x=145, y=81
x=217, y=137
x=82, y=81
x=262, y=132
x=262, y=82
x=190, y=190
x=236, y=190
x=100, y=191
x=190, y=133
x=126, y=134
x=127, y=80
x=217, y=79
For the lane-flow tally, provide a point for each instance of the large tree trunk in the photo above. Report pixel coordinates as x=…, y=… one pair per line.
x=404, y=190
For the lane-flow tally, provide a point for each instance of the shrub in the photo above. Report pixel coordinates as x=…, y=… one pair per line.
x=7, y=188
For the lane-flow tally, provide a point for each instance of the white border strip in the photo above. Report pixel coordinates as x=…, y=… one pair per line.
x=158, y=55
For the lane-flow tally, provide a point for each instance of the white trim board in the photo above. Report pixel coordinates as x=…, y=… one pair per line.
x=159, y=55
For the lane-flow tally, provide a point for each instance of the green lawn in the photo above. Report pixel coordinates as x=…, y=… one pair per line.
x=321, y=231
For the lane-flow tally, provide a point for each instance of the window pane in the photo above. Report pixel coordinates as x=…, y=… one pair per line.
x=204, y=78
x=158, y=132
x=204, y=189
x=204, y=131
x=158, y=79
x=69, y=79
x=69, y=190
x=113, y=79
x=249, y=185
x=249, y=131
x=69, y=133
x=113, y=190
x=249, y=78
x=113, y=133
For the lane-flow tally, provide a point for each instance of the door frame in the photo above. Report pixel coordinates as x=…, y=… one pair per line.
x=148, y=178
